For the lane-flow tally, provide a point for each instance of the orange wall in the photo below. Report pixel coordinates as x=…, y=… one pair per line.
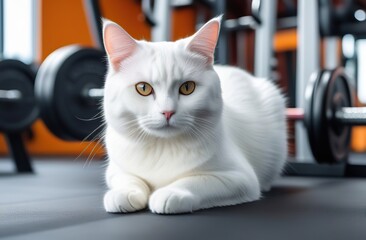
x=64, y=22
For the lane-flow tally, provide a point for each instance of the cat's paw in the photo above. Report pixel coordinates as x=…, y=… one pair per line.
x=122, y=200
x=170, y=201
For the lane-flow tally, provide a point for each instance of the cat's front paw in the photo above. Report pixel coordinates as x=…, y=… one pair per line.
x=170, y=201
x=122, y=200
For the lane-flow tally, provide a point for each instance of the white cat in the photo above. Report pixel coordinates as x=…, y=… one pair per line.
x=182, y=134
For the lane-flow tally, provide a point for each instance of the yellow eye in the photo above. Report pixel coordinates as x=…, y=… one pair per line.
x=187, y=88
x=144, y=88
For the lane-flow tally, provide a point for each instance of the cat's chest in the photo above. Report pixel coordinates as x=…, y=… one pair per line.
x=158, y=163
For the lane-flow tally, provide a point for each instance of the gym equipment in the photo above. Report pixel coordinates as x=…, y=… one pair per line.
x=69, y=89
x=158, y=18
x=17, y=101
x=261, y=19
x=18, y=108
x=340, y=18
x=328, y=102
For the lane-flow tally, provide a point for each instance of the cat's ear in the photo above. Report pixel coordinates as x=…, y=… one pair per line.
x=118, y=44
x=204, y=41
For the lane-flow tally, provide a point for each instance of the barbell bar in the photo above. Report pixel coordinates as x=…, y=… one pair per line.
x=93, y=93
x=12, y=95
x=354, y=116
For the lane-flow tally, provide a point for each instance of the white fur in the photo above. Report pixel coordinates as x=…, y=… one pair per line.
x=225, y=143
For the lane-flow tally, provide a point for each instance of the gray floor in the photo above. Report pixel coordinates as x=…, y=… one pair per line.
x=63, y=200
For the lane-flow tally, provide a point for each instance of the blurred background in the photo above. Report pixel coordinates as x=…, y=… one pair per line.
x=32, y=29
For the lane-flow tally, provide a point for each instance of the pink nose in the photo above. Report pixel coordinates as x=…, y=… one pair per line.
x=168, y=114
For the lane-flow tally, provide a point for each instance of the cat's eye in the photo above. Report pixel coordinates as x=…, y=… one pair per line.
x=143, y=88
x=187, y=88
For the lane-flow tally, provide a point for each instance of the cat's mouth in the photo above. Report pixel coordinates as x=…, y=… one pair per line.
x=166, y=126
x=166, y=130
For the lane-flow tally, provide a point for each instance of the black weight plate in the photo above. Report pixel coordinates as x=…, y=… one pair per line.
x=310, y=93
x=329, y=141
x=17, y=115
x=309, y=97
x=60, y=81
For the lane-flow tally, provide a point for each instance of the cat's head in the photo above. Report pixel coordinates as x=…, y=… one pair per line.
x=162, y=89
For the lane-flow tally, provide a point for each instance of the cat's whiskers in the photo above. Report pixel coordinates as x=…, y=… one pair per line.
x=100, y=135
x=203, y=137
x=96, y=129
x=96, y=149
x=92, y=153
x=95, y=117
x=134, y=127
x=142, y=137
x=92, y=141
x=97, y=140
x=206, y=125
x=200, y=139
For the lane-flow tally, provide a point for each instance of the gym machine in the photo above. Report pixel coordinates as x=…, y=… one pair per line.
x=327, y=106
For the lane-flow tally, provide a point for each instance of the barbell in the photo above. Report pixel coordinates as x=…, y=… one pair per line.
x=328, y=115
x=18, y=108
x=65, y=92
x=69, y=89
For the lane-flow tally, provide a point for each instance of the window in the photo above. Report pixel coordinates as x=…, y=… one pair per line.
x=19, y=29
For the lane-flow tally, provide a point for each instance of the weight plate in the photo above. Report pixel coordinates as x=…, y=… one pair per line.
x=60, y=83
x=310, y=93
x=19, y=114
x=328, y=139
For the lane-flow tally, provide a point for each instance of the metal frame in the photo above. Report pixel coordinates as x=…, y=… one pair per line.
x=162, y=14
x=264, y=39
x=307, y=63
x=161, y=29
x=331, y=52
x=14, y=140
x=221, y=53
x=94, y=14
x=35, y=28
x=19, y=153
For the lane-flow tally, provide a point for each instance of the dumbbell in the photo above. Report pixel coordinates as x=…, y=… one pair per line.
x=65, y=92
x=69, y=89
x=18, y=108
x=328, y=115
